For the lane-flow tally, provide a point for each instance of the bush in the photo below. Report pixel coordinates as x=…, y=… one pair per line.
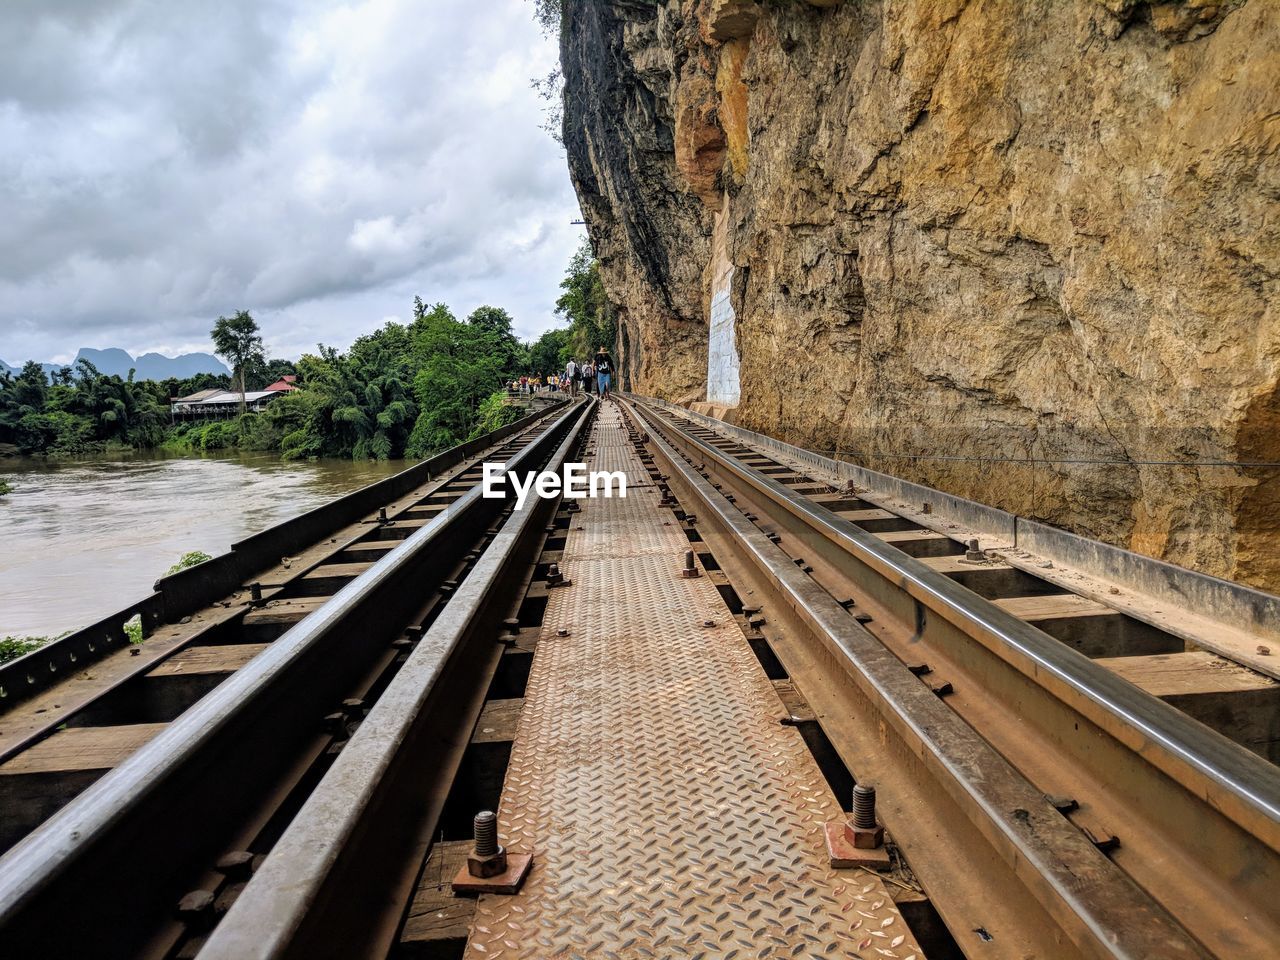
x=11, y=648
x=188, y=560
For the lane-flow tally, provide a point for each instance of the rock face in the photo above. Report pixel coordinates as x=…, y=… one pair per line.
x=1026, y=251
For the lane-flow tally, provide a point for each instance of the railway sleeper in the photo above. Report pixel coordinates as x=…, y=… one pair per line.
x=1232, y=699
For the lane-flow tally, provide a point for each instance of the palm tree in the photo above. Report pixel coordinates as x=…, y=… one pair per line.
x=237, y=341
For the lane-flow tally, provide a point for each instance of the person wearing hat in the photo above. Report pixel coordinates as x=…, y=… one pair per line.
x=604, y=372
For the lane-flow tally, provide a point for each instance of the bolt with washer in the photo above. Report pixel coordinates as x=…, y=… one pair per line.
x=866, y=832
x=488, y=858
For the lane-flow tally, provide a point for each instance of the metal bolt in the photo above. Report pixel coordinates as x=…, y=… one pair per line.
x=382, y=514
x=512, y=625
x=255, y=591
x=690, y=567
x=486, y=829
x=553, y=573
x=974, y=553
x=864, y=806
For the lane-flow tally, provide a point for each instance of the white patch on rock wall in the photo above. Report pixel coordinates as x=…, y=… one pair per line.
x=722, y=349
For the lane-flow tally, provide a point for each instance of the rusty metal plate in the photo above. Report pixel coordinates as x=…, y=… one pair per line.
x=669, y=812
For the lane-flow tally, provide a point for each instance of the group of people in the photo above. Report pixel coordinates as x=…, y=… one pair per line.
x=595, y=373
x=590, y=376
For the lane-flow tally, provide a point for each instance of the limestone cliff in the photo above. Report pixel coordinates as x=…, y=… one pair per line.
x=948, y=237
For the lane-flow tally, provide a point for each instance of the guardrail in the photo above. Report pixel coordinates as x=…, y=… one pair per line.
x=179, y=799
x=177, y=595
x=1231, y=604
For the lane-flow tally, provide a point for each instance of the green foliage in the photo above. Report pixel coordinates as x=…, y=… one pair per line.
x=550, y=88
x=5, y=488
x=585, y=304
x=458, y=366
x=494, y=413
x=548, y=13
x=82, y=410
x=550, y=352
x=237, y=341
x=188, y=560
x=11, y=648
x=133, y=629
x=404, y=390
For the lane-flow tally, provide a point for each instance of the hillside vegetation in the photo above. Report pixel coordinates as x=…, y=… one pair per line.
x=404, y=390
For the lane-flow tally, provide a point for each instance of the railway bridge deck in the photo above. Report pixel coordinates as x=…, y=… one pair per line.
x=668, y=698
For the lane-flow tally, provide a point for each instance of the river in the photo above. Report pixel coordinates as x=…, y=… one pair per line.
x=80, y=539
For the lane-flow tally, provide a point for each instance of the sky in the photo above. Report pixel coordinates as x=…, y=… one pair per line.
x=315, y=162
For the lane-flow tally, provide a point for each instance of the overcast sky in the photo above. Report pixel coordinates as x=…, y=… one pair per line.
x=317, y=163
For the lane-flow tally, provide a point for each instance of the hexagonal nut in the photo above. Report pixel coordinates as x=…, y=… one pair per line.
x=485, y=867
x=865, y=839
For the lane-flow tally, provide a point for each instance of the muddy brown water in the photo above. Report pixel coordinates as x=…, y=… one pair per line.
x=81, y=539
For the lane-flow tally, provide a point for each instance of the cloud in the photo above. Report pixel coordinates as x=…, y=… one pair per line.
x=316, y=162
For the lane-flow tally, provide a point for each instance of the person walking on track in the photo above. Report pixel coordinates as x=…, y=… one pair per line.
x=604, y=372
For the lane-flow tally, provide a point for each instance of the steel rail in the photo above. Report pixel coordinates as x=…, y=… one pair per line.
x=1233, y=780
x=139, y=829
x=1237, y=855
x=1212, y=611
x=1096, y=903
x=179, y=594
x=319, y=890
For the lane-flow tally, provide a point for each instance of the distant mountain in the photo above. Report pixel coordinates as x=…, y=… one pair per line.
x=108, y=361
x=155, y=366
x=149, y=366
x=47, y=367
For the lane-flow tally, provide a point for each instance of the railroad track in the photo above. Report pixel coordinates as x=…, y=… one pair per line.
x=1004, y=712
x=1038, y=801
x=78, y=707
x=195, y=799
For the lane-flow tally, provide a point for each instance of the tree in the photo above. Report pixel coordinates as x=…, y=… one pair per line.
x=237, y=341
x=585, y=304
x=549, y=353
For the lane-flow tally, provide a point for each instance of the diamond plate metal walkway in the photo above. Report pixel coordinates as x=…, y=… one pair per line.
x=669, y=812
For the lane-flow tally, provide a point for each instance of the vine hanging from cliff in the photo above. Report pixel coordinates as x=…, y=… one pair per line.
x=549, y=14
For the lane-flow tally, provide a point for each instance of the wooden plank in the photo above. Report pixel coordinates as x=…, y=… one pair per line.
x=1193, y=672
x=921, y=543
x=1234, y=700
x=952, y=565
x=284, y=611
x=330, y=570
x=373, y=545
x=1035, y=609
x=908, y=536
x=224, y=658
x=992, y=579
x=435, y=913
x=82, y=748
x=861, y=516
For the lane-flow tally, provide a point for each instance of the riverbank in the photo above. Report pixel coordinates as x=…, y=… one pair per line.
x=83, y=537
